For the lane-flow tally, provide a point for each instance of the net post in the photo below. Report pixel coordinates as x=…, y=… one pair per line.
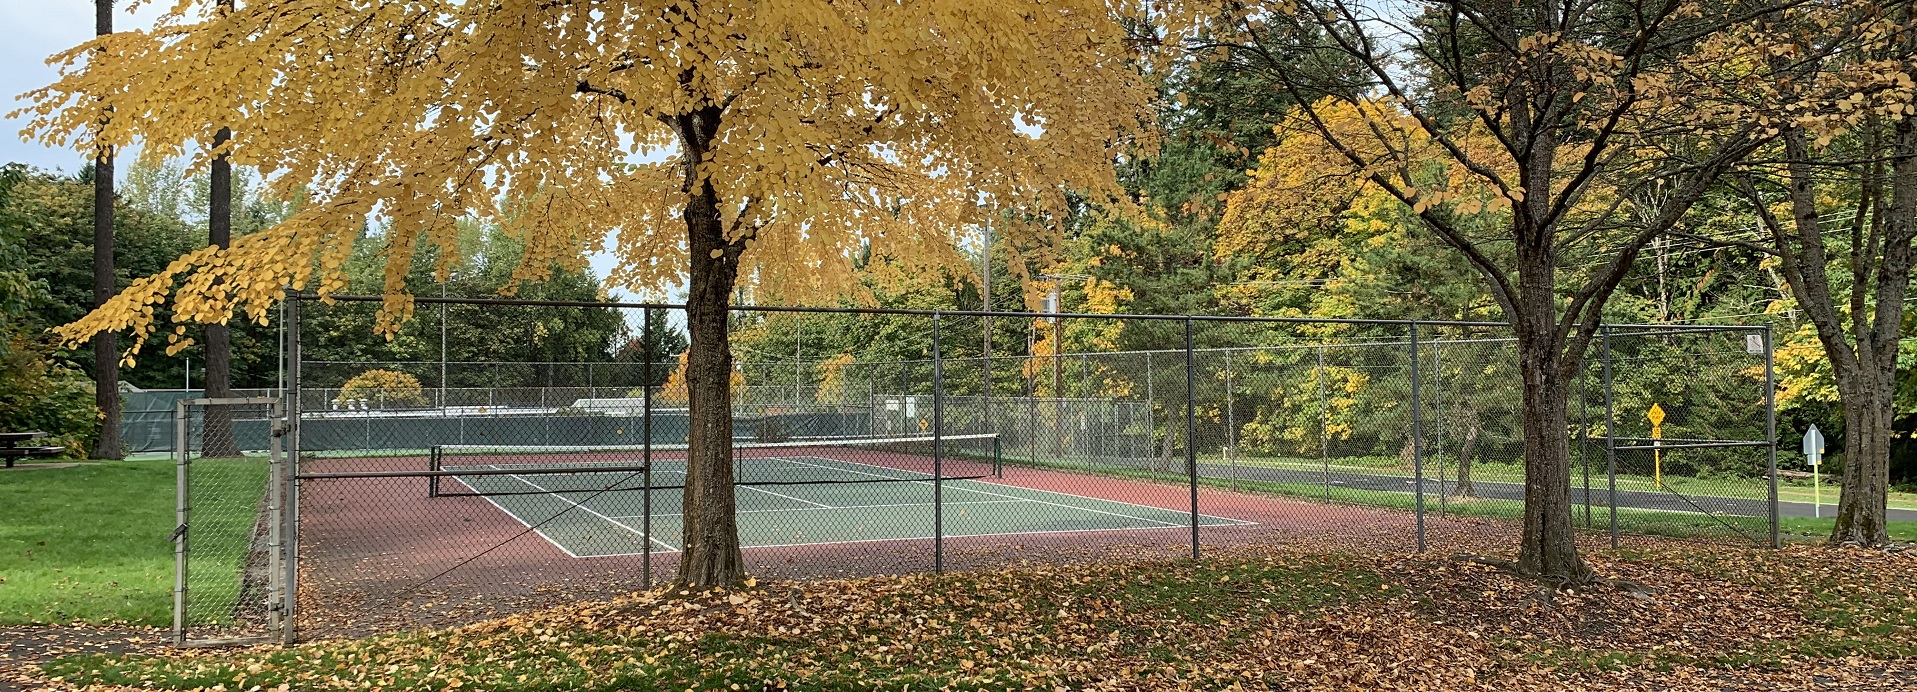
x=938, y=448
x=1191, y=428
x=998, y=458
x=645, y=442
x=434, y=462
x=1417, y=432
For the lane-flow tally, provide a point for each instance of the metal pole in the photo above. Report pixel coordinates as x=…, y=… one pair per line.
x=1584, y=440
x=1231, y=422
x=1417, y=432
x=181, y=517
x=1324, y=423
x=276, y=523
x=645, y=445
x=291, y=515
x=442, y=347
x=985, y=330
x=1770, y=431
x=1151, y=415
x=1610, y=436
x=938, y=452
x=1437, y=424
x=1191, y=425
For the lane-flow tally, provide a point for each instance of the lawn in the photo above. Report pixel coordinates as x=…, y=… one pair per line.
x=1630, y=521
x=1703, y=618
x=89, y=544
x=1752, y=488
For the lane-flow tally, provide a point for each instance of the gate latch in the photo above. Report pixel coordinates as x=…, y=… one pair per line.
x=178, y=533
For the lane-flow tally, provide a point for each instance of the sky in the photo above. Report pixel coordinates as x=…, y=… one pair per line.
x=37, y=29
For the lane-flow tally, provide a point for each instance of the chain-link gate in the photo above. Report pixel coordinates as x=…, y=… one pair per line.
x=229, y=559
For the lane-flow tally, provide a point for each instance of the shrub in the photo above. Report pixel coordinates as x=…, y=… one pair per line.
x=382, y=389
x=46, y=394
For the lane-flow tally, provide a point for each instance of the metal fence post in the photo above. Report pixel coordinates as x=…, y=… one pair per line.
x=938, y=451
x=645, y=446
x=290, y=535
x=1610, y=431
x=1191, y=428
x=182, y=515
x=1770, y=430
x=1417, y=433
x=1324, y=423
x=1231, y=422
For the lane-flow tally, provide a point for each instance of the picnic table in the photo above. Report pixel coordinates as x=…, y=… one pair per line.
x=10, y=448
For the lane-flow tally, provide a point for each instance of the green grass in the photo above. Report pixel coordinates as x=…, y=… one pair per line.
x=1631, y=521
x=1749, y=488
x=88, y=544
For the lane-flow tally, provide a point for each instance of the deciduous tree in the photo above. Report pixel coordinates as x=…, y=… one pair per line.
x=1578, y=103
x=721, y=141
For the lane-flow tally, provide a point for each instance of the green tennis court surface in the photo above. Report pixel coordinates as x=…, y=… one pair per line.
x=883, y=504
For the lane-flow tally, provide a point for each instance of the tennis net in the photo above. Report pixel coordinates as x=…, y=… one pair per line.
x=536, y=469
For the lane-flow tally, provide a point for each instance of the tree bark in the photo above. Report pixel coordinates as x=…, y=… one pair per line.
x=1549, y=545
x=216, y=437
x=106, y=345
x=1868, y=385
x=1472, y=431
x=711, y=543
x=1862, y=505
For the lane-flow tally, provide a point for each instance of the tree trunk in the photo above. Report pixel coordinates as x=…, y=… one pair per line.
x=1472, y=431
x=711, y=528
x=216, y=437
x=1867, y=434
x=1549, y=547
x=106, y=345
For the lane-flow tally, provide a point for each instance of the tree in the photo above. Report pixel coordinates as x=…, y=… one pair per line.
x=52, y=215
x=1578, y=106
x=1848, y=121
x=218, y=433
x=106, y=357
x=661, y=344
x=793, y=135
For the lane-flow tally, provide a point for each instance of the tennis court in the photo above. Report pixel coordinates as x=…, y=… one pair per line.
x=597, y=502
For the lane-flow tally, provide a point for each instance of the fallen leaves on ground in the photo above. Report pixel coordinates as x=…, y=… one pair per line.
x=1253, y=618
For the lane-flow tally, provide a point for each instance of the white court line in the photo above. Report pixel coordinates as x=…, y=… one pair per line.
x=522, y=522
x=590, y=510
x=821, y=509
x=951, y=536
x=818, y=505
x=985, y=492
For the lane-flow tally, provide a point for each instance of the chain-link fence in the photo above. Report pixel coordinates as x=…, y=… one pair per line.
x=539, y=454
x=229, y=573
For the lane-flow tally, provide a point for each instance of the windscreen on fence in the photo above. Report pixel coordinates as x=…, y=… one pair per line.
x=497, y=455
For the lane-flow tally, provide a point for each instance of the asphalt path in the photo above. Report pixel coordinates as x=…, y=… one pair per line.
x=1663, y=501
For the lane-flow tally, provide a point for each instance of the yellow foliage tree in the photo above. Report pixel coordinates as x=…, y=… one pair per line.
x=381, y=388
x=718, y=141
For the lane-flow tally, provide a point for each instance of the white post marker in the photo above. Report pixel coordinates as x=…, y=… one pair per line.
x=1814, y=453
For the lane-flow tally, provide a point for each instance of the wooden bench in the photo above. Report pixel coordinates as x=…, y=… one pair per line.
x=10, y=448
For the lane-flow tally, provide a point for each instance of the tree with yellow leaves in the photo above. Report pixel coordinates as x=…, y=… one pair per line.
x=1549, y=118
x=719, y=141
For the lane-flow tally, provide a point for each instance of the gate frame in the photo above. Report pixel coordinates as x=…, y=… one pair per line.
x=278, y=595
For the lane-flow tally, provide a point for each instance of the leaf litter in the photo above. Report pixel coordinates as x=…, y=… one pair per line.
x=1708, y=618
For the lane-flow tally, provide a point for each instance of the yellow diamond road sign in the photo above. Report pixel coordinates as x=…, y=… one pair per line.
x=1656, y=415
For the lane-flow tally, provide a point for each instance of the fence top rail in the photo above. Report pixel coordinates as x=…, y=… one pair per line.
x=430, y=300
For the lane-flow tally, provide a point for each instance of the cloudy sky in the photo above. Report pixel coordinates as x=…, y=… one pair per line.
x=37, y=29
